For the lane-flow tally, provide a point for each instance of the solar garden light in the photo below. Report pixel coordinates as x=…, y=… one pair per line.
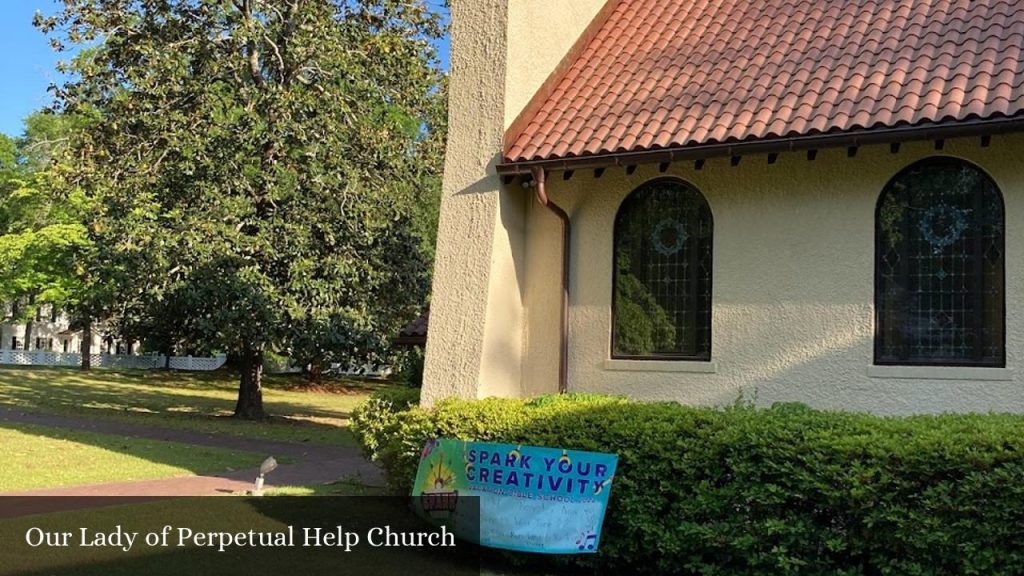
x=267, y=467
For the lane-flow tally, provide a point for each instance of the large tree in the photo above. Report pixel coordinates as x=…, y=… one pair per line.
x=252, y=161
x=43, y=239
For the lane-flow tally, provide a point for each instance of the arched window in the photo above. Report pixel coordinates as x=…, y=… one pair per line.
x=661, y=306
x=939, y=271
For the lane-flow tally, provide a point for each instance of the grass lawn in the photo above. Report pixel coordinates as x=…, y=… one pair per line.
x=202, y=401
x=43, y=457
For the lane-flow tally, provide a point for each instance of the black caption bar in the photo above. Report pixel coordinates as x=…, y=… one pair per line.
x=230, y=535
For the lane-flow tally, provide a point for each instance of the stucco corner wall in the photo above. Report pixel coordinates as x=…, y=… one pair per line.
x=793, y=285
x=502, y=52
x=469, y=204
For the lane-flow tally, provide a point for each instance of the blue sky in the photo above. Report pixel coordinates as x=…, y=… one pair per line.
x=29, y=63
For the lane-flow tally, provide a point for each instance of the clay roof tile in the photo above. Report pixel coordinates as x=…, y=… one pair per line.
x=664, y=73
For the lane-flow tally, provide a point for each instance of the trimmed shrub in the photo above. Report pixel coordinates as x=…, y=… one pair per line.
x=785, y=490
x=373, y=419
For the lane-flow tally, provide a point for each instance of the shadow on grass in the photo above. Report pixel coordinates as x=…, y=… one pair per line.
x=213, y=391
x=202, y=401
x=48, y=457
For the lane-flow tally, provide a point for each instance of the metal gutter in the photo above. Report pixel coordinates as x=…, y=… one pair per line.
x=540, y=185
x=965, y=129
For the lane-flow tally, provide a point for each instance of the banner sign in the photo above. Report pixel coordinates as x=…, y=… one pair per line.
x=532, y=499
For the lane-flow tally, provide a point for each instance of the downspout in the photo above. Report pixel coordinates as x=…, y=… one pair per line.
x=542, y=197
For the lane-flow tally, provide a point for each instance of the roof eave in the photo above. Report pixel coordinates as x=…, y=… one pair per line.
x=931, y=131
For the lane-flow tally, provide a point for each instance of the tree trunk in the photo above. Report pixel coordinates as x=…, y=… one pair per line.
x=28, y=335
x=315, y=373
x=167, y=358
x=250, y=389
x=87, y=346
x=29, y=324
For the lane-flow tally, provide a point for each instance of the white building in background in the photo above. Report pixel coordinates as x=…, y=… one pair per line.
x=51, y=330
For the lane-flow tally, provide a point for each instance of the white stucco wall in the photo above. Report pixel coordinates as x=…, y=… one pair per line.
x=502, y=52
x=793, y=286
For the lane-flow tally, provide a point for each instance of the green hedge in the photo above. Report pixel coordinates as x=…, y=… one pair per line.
x=786, y=490
x=377, y=419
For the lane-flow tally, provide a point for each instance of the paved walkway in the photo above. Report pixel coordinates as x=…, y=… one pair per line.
x=314, y=463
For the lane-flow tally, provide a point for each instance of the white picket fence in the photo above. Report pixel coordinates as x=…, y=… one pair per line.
x=48, y=358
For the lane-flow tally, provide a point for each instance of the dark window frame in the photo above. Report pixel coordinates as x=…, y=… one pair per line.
x=907, y=359
x=680, y=357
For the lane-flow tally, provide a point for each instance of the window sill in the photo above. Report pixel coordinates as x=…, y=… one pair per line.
x=685, y=366
x=942, y=373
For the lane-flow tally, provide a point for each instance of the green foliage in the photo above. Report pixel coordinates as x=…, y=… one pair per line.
x=8, y=156
x=786, y=490
x=424, y=191
x=372, y=420
x=641, y=324
x=43, y=236
x=258, y=169
x=409, y=367
x=47, y=136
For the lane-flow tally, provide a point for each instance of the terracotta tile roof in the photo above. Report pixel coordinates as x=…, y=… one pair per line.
x=415, y=333
x=674, y=73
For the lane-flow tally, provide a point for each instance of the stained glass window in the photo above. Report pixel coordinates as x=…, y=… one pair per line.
x=939, y=271
x=662, y=285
